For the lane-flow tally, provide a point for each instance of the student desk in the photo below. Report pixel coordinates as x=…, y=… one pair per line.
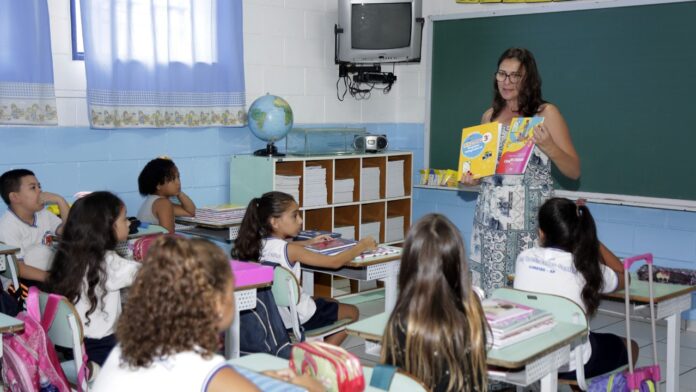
x=150, y=229
x=9, y=324
x=522, y=363
x=263, y=362
x=670, y=301
x=384, y=267
x=8, y=263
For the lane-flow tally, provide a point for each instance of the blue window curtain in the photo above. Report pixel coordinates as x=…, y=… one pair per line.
x=164, y=63
x=27, y=96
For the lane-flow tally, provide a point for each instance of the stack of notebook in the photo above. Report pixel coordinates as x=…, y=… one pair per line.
x=395, y=229
x=395, y=178
x=332, y=247
x=345, y=231
x=369, y=185
x=512, y=323
x=343, y=190
x=370, y=229
x=223, y=213
x=315, y=186
x=289, y=185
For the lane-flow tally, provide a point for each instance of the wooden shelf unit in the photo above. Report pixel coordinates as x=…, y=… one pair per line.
x=251, y=176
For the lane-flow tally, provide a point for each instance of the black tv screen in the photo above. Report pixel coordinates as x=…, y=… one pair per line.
x=381, y=26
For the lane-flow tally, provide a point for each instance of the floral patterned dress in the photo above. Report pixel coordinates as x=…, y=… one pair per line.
x=505, y=220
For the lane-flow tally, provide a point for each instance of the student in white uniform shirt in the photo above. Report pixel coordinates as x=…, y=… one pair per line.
x=168, y=334
x=89, y=273
x=572, y=263
x=269, y=223
x=26, y=223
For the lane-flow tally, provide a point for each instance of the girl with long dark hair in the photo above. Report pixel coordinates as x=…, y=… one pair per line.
x=572, y=263
x=89, y=273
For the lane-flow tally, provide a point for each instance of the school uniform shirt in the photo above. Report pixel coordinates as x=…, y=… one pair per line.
x=120, y=273
x=551, y=271
x=145, y=212
x=184, y=371
x=275, y=250
x=30, y=238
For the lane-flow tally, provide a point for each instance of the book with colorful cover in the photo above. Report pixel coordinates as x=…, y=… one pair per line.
x=333, y=246
x=309, y=234
x=518, y=146
x=499, y=311
x=478, y=152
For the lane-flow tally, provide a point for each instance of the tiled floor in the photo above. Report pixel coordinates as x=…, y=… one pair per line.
x=600, y=323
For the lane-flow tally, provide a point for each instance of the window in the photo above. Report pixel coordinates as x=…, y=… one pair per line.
x=78, y=48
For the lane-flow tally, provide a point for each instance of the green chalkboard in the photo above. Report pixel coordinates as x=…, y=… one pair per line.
x=624, y=78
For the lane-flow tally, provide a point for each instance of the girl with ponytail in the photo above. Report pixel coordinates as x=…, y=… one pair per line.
x=437, y=331
x=572, y=263
x=269, y=225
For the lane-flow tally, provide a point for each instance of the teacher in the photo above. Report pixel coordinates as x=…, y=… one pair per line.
x=505, y=219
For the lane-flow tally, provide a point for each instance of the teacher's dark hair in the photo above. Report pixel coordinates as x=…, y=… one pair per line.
x=529, y=99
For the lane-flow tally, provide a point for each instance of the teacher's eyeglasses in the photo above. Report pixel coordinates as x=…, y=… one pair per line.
x=502, y=75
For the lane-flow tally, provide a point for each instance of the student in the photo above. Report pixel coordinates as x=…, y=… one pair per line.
x=159, y=181
x=269, y=223
x=26, y=223
x=437, y=329
x=573, y=264
x=89, y=273
x=181, y=300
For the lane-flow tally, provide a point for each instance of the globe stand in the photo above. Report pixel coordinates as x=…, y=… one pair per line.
x=270, y=151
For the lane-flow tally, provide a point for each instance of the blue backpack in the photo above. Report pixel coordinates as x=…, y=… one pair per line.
x=261, y=330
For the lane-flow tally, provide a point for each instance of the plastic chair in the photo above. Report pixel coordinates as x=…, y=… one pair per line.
x=11, y=271
x=286, y=291
x=66, y=331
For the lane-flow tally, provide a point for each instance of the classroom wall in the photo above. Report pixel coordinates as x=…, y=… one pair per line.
x=288, y=52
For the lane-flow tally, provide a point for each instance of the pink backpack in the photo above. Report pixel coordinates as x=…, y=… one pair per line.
x=30, y=353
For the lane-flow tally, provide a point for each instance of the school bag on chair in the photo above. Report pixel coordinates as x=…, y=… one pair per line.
x=28, y=356
x=643, y=379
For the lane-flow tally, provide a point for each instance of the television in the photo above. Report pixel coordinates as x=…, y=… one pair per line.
x=379, y=31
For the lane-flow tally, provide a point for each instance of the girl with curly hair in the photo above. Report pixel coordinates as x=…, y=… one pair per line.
x=266, y=232
x=182, y=298
x=89, y=273
x=573, y=264
x=437, y=329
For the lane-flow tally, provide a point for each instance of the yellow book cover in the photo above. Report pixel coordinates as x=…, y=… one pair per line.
x=478, y=153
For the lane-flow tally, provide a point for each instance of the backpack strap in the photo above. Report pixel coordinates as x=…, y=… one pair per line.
x=34, y=307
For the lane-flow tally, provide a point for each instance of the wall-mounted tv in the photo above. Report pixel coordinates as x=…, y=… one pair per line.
x=379, y=31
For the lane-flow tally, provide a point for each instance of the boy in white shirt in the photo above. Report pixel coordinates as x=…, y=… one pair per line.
x=26, y=223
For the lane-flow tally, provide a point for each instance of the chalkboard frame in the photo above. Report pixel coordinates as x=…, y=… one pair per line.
x=661, y=201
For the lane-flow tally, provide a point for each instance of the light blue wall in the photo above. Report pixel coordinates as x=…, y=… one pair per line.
x=68, y=160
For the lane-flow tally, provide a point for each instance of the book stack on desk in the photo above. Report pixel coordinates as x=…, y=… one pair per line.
x=332, y=247
x=512, y=323
x=220, y=214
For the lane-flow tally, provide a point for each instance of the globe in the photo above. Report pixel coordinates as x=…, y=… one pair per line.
x=270, y=119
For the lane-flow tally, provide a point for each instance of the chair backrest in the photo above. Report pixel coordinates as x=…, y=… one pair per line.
x=284, y=284
x=11, y=271
x=66, y=330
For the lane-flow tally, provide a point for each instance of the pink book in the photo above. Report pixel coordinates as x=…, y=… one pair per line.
x=518, y=146
x=248, y=274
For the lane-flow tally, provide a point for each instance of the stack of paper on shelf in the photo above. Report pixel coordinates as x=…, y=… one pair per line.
x=289, y=185
x=370, y=229
x=345, y=231
x=315, y=186
x=370, y=183
x=512, y=323
x=343, y=190
x=395, y=229
x=333, y=246
x=395, y=178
